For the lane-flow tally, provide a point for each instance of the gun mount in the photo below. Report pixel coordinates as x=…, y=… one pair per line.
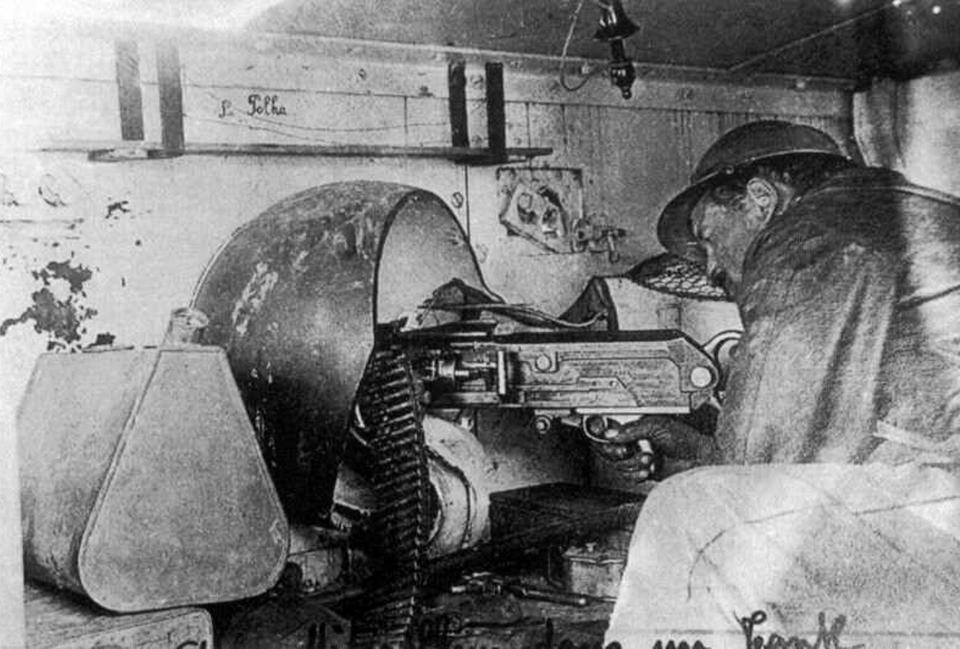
x=306, y=301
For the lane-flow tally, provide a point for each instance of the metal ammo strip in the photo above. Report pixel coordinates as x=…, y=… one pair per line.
x=389, y=406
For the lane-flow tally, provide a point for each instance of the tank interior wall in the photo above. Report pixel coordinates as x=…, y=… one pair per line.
x=134, y=236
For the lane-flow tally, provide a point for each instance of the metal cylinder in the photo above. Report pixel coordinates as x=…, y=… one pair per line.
x=459, y=471
x=294, y=297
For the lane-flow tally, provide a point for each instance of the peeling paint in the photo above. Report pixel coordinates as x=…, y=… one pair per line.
x=7, y=197
x=298, y=265
x=61, y=318
x=48, y=189
x=75, y=276
x=104, y=338
x=116, y=208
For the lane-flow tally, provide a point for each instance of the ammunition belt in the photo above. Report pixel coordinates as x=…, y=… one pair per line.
x=391, y=411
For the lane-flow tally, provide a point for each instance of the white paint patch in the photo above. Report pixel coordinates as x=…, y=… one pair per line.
x=298, y=265
x=253, y=296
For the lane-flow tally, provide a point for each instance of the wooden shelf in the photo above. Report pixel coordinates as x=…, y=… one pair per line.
x=125, y=151
x=173, y=143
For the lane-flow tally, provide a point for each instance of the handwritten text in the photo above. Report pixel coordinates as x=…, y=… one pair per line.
x=827, y=638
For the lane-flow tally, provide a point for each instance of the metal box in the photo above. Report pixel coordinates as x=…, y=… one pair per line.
x=58, y=621
x=142, y=485
x=593, y=570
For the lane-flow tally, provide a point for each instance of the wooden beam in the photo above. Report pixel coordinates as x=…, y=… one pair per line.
x=457, y=86
x=496, y=113
x=171, y=97
x=128, y=90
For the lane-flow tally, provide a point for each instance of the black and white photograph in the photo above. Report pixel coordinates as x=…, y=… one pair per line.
x=479, y=324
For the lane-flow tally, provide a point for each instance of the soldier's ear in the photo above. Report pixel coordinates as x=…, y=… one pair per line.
x=764, y=195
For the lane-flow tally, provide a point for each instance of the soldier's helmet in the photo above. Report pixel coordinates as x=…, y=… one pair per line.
x=742, y=146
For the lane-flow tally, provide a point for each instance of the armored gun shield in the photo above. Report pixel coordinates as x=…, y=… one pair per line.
x=294, y=297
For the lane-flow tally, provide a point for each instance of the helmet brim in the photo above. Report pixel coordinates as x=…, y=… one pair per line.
x=674, y=230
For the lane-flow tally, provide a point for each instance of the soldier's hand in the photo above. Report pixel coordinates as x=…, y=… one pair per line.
x=667, y=435
x=635, y=460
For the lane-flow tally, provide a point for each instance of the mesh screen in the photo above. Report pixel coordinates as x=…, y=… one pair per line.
x=675, y=275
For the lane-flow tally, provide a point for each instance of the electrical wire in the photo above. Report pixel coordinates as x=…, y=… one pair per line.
x=563, y=53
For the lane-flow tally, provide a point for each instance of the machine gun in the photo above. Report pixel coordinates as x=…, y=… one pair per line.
x=591, y=380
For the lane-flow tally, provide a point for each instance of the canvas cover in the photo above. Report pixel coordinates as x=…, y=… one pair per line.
x=817, y=555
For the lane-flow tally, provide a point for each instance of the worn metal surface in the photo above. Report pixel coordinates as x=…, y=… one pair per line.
x=321, y=556
x=594, y=569
x=286, y=623
x=57, y=621
x=293, y=297
x=141, y=483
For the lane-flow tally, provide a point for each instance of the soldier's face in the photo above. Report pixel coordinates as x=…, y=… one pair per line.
x=726, y=231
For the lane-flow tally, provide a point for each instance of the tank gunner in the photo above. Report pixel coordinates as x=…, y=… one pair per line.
x=835, y=508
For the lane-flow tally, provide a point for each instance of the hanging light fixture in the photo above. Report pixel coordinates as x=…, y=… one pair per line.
x=615, y=26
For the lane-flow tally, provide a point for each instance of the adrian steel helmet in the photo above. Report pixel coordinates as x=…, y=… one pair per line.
x=741, y=146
